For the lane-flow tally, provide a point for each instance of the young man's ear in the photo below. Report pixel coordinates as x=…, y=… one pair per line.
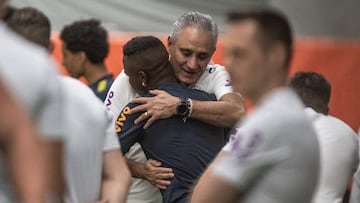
x=82, y=56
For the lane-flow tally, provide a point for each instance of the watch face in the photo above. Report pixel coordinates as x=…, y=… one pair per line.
x=181, y=109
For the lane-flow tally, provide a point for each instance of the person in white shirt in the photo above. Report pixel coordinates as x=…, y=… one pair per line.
x=92, y=150
x=191, y=44
x=94, y=166
x=31, y=76
x=338, y=142
x=355, y=189
x=273, y=154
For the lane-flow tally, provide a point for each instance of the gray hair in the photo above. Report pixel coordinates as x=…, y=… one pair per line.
x=198, y=20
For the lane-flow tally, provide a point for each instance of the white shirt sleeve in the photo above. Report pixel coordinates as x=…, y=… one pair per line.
x=111, y=141
x=215, y=80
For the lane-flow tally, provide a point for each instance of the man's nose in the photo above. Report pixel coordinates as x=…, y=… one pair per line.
x=192, y=62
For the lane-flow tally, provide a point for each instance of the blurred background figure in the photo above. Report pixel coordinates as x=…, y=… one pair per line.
x=338, y=142
x=94, y=167
x=85, y=47
x=355, y=192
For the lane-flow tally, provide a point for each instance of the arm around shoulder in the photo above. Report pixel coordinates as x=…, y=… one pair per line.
x=223, y=113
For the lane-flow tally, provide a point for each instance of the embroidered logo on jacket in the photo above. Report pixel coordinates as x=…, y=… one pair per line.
x=101, y=86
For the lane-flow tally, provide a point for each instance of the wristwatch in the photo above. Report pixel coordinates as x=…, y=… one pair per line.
x=184, y=108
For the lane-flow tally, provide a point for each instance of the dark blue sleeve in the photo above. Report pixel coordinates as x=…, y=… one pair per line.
x=127, y=131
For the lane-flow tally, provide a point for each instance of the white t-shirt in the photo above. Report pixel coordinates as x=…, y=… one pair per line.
x=31, y=77
x=90, y=132
x=338, y=152
x=214, y=80
x=355, y=189
x=273, y=153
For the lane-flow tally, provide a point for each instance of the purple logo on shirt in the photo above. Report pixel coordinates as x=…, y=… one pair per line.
x=110, y=96
x=228, y=83
x=243, y=146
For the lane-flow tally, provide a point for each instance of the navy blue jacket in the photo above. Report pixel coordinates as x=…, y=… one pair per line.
x=187, y=147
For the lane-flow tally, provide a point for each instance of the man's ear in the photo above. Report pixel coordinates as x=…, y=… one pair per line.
x=82, y=57
x=169, y=43
x=143, y=78
x=277, y=54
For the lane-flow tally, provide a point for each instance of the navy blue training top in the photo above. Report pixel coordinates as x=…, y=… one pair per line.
x=102, y=86
x=187, y=147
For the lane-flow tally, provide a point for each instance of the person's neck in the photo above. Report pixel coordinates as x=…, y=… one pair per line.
x=169, y=79
x=261, y=93
x=94, y=72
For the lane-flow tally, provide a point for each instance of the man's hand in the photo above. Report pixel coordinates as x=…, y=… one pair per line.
x=161, y=106
x=157, y=175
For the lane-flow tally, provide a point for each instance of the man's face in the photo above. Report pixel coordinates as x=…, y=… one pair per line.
x=190, y=53
x=245, y=60
x=72, y=62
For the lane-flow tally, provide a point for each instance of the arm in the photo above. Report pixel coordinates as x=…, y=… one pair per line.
x=355, y=189
x=223, y=113
x=151, y=171
x=211, y=188
x=53, y=152
x=21, y=148
x=116, y=178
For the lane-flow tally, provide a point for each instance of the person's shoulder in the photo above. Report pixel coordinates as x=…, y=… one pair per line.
x=277, y=101
x=214, y=68
x=72, y=83
x=75, y=89
x=339, y=125
x=181, y=90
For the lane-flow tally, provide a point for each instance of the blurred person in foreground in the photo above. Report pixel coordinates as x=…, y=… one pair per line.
x=191, y=45
x=338, y=142
x=94, y=167
x=273, y=154
x=31, y=77
x=20, y=150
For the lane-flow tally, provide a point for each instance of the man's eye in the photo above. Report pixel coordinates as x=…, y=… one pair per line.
x=203, y=56
x=186, y=52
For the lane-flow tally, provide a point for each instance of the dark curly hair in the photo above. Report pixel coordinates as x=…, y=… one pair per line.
x=87, y=36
